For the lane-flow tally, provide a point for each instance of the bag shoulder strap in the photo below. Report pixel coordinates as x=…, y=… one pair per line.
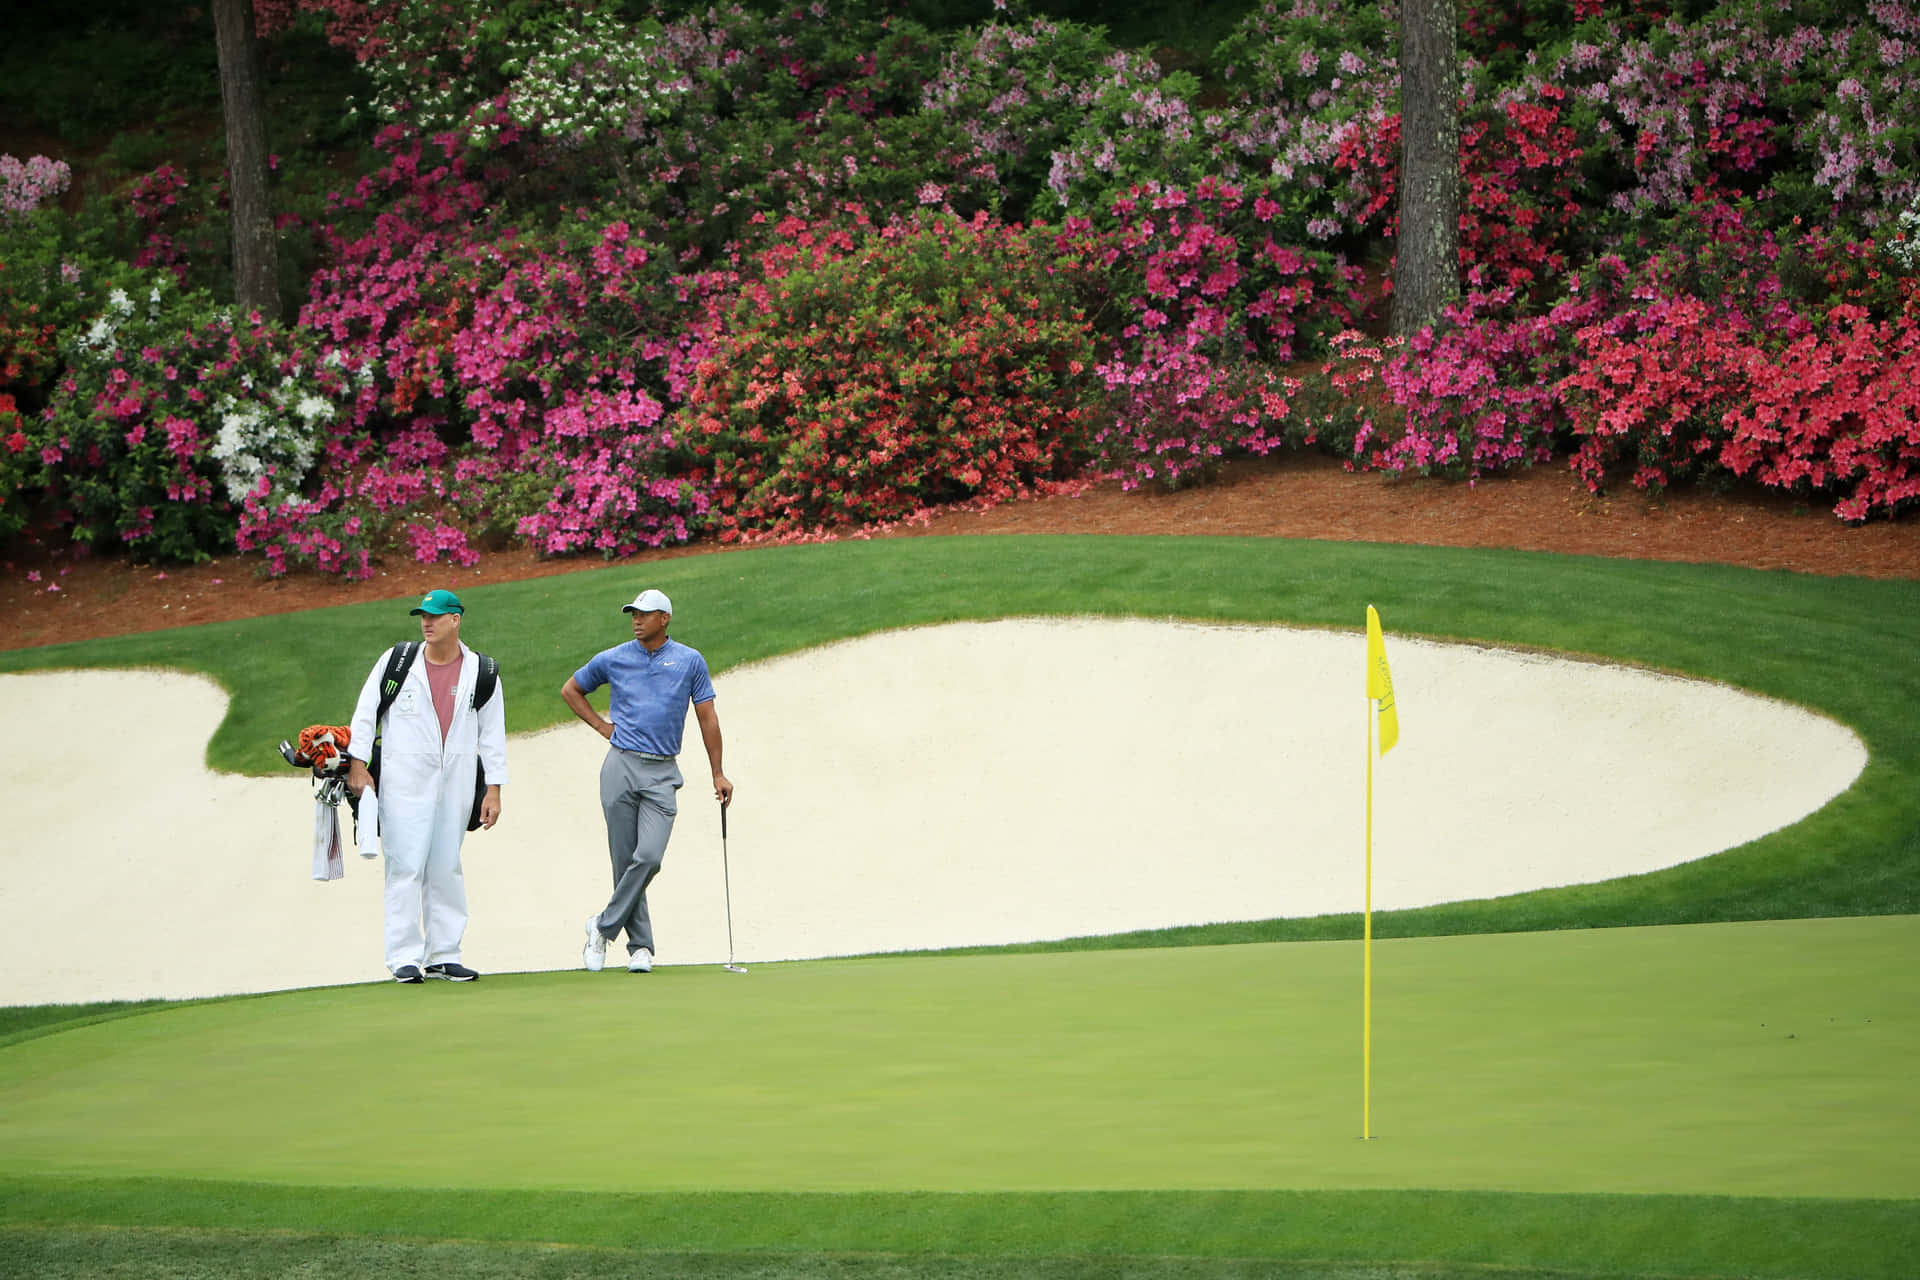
x=484, y=682
x=399, y=662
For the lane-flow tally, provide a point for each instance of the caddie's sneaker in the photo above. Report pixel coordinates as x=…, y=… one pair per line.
x=595, y=953
x=452, y=972
x=640, y=961
x=407, y=973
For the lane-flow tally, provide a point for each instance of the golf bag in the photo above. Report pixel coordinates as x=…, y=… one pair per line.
x=323, y=748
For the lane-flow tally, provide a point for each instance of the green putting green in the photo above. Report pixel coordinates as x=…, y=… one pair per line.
x=1752, y=1059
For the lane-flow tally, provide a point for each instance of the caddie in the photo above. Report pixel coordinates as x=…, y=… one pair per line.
x=431, y=741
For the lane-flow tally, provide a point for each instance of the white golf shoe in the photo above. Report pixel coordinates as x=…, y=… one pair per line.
x=640, y=961
x=594, y=954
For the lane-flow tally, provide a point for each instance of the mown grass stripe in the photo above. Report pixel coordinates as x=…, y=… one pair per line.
x=1650, y=1235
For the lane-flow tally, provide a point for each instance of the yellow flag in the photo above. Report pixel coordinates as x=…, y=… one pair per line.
x=1380, y=683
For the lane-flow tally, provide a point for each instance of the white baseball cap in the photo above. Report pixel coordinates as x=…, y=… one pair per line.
x=648, y=601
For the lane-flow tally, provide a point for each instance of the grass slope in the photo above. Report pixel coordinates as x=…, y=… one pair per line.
x=1841, y=646
x=1744, y=1059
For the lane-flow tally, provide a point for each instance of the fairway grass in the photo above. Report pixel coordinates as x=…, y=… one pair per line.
x=1741, y=1059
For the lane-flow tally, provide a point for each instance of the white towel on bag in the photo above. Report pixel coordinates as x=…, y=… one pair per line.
x=327, y=861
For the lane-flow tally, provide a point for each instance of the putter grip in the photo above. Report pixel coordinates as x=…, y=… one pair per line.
x=723, y=820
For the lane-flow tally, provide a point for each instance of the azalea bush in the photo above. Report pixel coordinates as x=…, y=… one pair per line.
x=793, y=111
x=179, y=225
x=1475, y=394
x=28, y=325
x=1062, y=121
x=1210, y=306
x=1343, y=401
x=27, y=184
x=168, y=411
x=1522, y=219
x=1828, y=409
x=1010, y=91
x=18, y=466
x=1730, y=356
x=37, y=281
x=52, y=294
x=870, y=372
x=347, y=24
x=614, y=281
x=1814, y=116
x=1316, y=85
x=492, y=356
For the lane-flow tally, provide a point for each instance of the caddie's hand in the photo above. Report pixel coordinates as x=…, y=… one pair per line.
x=722, y=789
x=358, y=779
x=490, y=808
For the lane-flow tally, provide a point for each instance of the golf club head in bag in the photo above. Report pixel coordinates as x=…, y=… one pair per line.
x=323, y=750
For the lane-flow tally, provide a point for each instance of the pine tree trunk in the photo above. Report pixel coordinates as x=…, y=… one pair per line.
x=1426, y=276
x=255, y=255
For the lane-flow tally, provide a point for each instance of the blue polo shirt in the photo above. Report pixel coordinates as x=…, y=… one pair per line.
x=650, y=692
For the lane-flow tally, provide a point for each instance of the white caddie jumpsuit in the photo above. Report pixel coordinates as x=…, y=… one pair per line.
x=426, y=797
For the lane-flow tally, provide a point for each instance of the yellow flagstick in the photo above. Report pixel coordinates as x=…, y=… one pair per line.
x=1366, y=998
x=1380, y=691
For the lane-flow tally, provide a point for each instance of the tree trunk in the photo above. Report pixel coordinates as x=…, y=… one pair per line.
x=1426, y=276
x=255, y=257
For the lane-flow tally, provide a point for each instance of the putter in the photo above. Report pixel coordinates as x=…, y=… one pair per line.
x=726, y=880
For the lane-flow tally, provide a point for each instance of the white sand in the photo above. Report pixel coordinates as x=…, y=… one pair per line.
x=974, y=783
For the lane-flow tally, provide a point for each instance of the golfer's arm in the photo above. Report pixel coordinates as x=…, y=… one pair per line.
x=710, y=734
x=571, y=695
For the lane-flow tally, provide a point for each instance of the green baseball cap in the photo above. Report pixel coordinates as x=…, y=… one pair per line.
x=440, y=602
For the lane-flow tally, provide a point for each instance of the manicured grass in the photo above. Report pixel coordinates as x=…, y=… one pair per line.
x=1574, y=1097
x=235, y=1229
x=173, y=1254
x=1741, y=1059
x=25, y=1021
x=1841, y=646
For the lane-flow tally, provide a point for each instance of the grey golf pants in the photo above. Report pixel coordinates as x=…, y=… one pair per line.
x=637, y=795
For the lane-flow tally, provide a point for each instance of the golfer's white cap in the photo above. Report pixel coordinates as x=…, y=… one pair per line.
x=648, y=601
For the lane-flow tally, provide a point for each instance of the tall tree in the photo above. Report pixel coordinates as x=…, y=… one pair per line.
x=255, y=255
x=1426, y=276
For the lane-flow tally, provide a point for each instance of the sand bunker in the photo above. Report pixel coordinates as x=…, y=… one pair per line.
x=965, y=784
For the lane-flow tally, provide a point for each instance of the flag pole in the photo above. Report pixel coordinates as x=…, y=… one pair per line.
x=1366, y=997
x=1384, y=720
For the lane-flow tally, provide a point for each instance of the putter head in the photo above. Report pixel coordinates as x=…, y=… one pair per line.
x=734, y=968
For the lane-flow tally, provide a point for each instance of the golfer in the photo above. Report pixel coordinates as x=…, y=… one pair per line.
x=432, y=739
x=653, y=680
